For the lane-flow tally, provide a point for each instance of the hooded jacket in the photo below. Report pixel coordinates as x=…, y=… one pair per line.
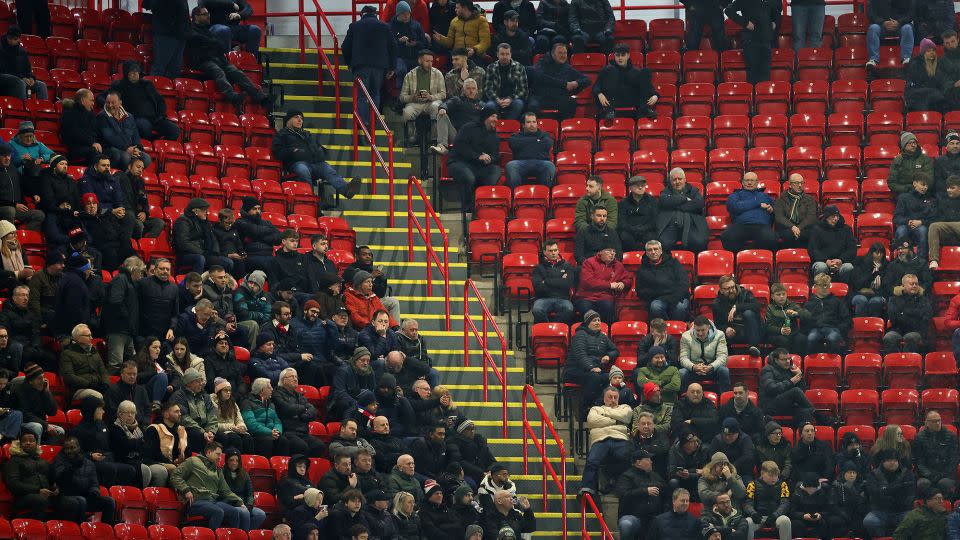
x=712, y=350
x=907, y=164
x=848, y=502
x=913, y=205
x=828, y=312
x=141, y=98
x=891, y=491
x=439, y=522
x=78, y=130
x=596, y=277
x=14, y=60
x=203, y=478
x=293, y=483
x=471, y=32
x=291, y=145
x=83, y=368
x=35, y=404
x=585, y=205
x=159, y=306
x=587, y=348
x=740, y=452
x=25, y=474
x=379, y=346
x=197, y=410
x=92, y=434
x=259, y=235
x=75, y=476
x=832, y=242
x=711, y=485
x=475, y=454
x=780, y=453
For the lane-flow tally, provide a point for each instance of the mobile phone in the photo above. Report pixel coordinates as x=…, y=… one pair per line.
x=323, y=508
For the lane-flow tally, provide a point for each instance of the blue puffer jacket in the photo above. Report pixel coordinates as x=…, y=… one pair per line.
x=312, y=336
x=118, y=134
x=744, y=207
x=270, y=368
x=37, y=151
x=378, y=345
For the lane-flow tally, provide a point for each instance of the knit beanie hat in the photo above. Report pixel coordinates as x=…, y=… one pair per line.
x=465, y=425
x=359, y=277
x=32, y=371
x=248, y=204
x=359, y=353
x=402, y=7
x=220, y=383
x=614, y=371
x=906, y=137
x=290, y=114
x=57, y=158
x=649, y=388
x=257, y=277
x=191, y=375
x=430, y=487
x=311, y=304
x=6, y=228
x=472, y=530
x=589, y=316
x=926, y=44
x=263, y=338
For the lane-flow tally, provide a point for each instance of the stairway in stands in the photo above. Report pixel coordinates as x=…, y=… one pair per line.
x=367, y=214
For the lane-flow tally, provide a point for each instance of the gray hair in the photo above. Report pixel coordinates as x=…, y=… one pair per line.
x=470, y=80
x=677, y=171
x=21, y=287
x=645, y=414
x=134, y=265
x=127, y=406
x=407, y=322
x=286, y=372
x=652, y=243
x=75, y=333
x=258, y=384
x=203, y=303
x=283, y=528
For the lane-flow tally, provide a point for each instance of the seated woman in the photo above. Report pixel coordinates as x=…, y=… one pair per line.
x=444, y=412
x=929, y=82
x=891, y=439
x=95, y=442
x=126, y=442
x=149, y=373
x=232, y=430
x=180, y=360
x=14, y=262
x=240, y=483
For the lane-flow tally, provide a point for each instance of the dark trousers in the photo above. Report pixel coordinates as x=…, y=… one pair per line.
x=241, y=441
x=790, y=403
x=268, y=446
x=591, y=383
x=605, y=308
x=603, y=39
x=636, y=241
x=224, y=75
x=695, y=23
x=74, y=507
x=471, y=176
x=737, y=237
x=747, y=326
x=546, y=38
x=168, y=55
x=673, y=234
x=795, y=342
x=116, y=474
x=30, y=12
x=788, y=241
x=566, y=106
x=198, y=262
x=303, y=443
x=160, y=129
x=757, y=55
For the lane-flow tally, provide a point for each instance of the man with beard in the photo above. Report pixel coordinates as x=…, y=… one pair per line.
x=159, y=301
x=27, y=476
x=348, y=441
x=135, y=201
x=75, y=476
x=388, y=447
x=906, y=261
x=317, y=264
x=341, y=337
x=350, y=380
x=60, y=200
x=296, y=413
x=663, y=283
x=910, y=162
x=259, y=235
x=945, y=229
x=222, y=362
x=23, y=326
x=475, y=159
x=287, y=346
x=475, y=453
x=623, y=89
x=432, y=453
x=392, y=405
x=654, y=405
x=12, y=193
x=312, y=333
x=111, y=235
x=743, y=410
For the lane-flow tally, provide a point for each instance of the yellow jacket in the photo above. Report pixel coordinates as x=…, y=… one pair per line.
x=473, y=32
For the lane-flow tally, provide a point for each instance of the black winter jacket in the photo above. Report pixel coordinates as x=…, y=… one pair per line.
x=160, y=306
x=291, y=145
x=668, y=280
x=121, y=307
x=909, y=313
x=827, y=312
x=590, y=239
x=78, y=130
x=625, y=86
x=774, y=380
x=896, y=269
x=639, y=218
x=202, y=47
x=891, y=492
x=554, y=279
x=631, y=488
x=705, y=421
x=591, y=16
x=537, y=145
x=366, y=42
x=170, y=17
x=587, y=348
x=832, y=242
x=549, y=78
x=935, y=454
x=472, y=140
x=901, y=11
x=294, y=410
x=815, y=457
x=259, y=235
x=14, y=61
x=948, y=208
x=913, y=205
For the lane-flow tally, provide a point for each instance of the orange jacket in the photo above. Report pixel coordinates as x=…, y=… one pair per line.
x=362, y=308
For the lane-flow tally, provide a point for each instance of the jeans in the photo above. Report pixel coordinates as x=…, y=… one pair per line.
x=820, y=267
x=118, y=346
x=807, y=23
x=748, y=329
x=157, y=387
x=720, y=375
x=782, y=525
x=31, y=219
x=248, y=34
x=737, y=236
x=37, y=429
x=11, y=85
x=167, y=55
x=605, y=308
x=832, y=336
x=10, y=424
x=120, y=159
x=445, y=130
x=912, y=342
x=630, y=527
x=873, y=43
x=310, y=172
x=878, y=523
x=661, y=309
x=864, y=306
x=613, y=450
x=198, y=262
x=510, y=112
x=543, y=307
x=470, y=176
x=918, y=236
x=401, y=67
x=219, y=512
x=161, y=129
x=520, y=169
x=372, y=79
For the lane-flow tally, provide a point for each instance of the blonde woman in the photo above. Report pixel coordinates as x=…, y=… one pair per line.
x=892, y=439
x=406, y=518
x=444, y=410
x=232, y=430
x=15, y=269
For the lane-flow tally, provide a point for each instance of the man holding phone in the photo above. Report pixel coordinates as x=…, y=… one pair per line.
x=423, y=91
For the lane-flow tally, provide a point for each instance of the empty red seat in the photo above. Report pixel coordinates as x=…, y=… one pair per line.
x=940, y=370
x=549, y=343
x=902, y=370
x=524, y=235
x=822, y=370
x=859, y=406
x=862, y=370
x=899, y=406
x=712, y=264
x=944, y=400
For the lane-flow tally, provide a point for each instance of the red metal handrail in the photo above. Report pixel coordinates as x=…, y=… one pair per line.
x=376, y=156
x=541, y=446
x=323, y=60
x=587, y=500
x=469, y=328
x=429, y=216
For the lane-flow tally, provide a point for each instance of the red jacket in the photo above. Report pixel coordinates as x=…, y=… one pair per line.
x=951, y=315
x=418, y=10
x=362, y=307
x=596, y=277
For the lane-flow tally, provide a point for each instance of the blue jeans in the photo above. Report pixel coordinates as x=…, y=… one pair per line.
x=11, y=85
x=372, y=78
x=918, y=236
x=167, y=55
x=873, y=42
x=10, y=424
x=807, y=23
x=630, y=527
x=820, y=267
x=519, y=169
x=120, y=159
x=748, y=329
x=720, y=375
x=401, y=67
x=198, y=262
x=660, y=309
x=832, y=336
x=878, y=523
x=512, y=112
x=867, y=307
x=257, y=517
x=310, y=172
x=543, y=307
x=612, y=450
x=158, y=387
x=165, y=129
x=248, y=34
x=217, y=513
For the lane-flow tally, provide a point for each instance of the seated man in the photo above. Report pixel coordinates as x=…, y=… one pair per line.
x=12, y=205
x=680, y=216
x=723, y=520
x=794, y=214
x=591, y=21
x=828, y=320
x=696, y=413
x=296, y=413
x=781, y=321
x=553, y=24
x=520, y=40
x=461, y=69
x=665, y=377
x=29, y=154
x=945, y=228
x=594, y=195
x=259, y=236
x=475, y=158
x=553, y=280
x=16, y=72
x=199, y=480
x=307, y=160
x=641, y=492
x=78, y=127
x=590, y=352
x=81, y=367
x=363, y=302
x=143, y=102
x=908, y=163
x=889, y=19
x=703, y=356
x=904, y=260
x=135, y=200
x=908, y=317
x=207, y=54
x=505, y=86
x=742, y=409
x=75, y=479
x=599, y=233
x=638, y=211
x=915, y=212
x=119, y=133
x=658, y=337
x=935, y=452
x=751, y=214
x=554, y=82
x=198, y=415
x=609, y=426
x=193, y=238
x=602, y=280
x=782, y=389
x=625, y=90
x=663, y=283
x=768, y=502
x=737, y=445
x=833, y=247
x=948, y=164
x=532, y=151
x=225, y=23
x=456, y=112
x=411, y=40
x=736, y=312
x=891, y=490
x=423, y=90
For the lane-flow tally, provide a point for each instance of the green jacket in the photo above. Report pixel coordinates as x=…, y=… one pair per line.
x=83, y=368
x=585, y=207
x=775, y=318
x=922, y=523
x=903, y=167
x=668, y=379
x=202, y=477
x=397, y=481
x=196, y=410
x=261, y=418
x=661, y=416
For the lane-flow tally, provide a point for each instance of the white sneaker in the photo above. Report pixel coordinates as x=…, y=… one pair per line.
x=934, y=265
x=906, y=61
x=440, y=149
x=871, y=63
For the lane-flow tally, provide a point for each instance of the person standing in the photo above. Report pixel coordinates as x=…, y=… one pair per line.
x=370, y=51
x=702, y=13
x=808, y=18
x=171, y=20
x=760, y=20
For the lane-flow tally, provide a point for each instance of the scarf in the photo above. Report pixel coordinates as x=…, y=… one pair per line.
x=134, y=433
x=368, y=415
x=931, y=66
x=12, y=260
x=875, y=284
x=794, y=200
x=121, y=113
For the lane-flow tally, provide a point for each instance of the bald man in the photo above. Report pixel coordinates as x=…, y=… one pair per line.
x=751, y=214
x=794, y=213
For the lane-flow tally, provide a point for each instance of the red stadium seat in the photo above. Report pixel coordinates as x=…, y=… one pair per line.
x=712, y=264
x=865, y=433
x=886, y=95
x=654, y=134
x=867, y=334
x=549, y=343
x=665, y=35
x=899, y=406
x=944, y=400
x=769, y=130
x=486, y=240
x=822, y=370
x=562, y=230
x=859, y=406
x=692, y=132
x=807, y=129
x=516, y=269
x=745, y=368
x=97, y=531
x=492, y=202
x=862, y=370
x=825, y=400
x=131, y=506
x=940, y=370
x=130, y=531
x=164, y=532
x=734, y=98
x=772, y=97
x=730, y=132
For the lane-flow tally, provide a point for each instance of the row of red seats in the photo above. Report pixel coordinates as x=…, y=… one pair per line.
x=29, y=529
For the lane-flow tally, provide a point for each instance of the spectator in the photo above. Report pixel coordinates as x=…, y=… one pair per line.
x=144, y=103
x=595, y=196
x=829, y=321
x=370, y=50
x=23, y=328
x=432, y=452
x=388, y=447
x=287, y=345
x=381, y=287
x=251, y=301
x=423, y=91
x=664, y=283
x=751, y=214
x=12, y=193
x=476, y=153
x=658, y=336
x=889, y=18
x=159, y=301
x=794, y=214
x=685, y=461
x=16, y=73
x=463, y=107
x=94, y=440
x=700, y=13
x=680, y=215
x=27, y=476
x=656, y=370
x=867, y=284
x=736, y=445
x=910, y=162
x=75, y=477
x=468, y=30
x=439, y=16
x=761, y=24
x=135, y=200
x=230, y=425
x=850, y=450
x=676, y=523
x=723, y=520
x=639, y=211
x=119, y=132
x=532, y=151
x=310, y=510
x=929, y=83
x=892, y=439
x=377, y=336
x=947, y=164
x=809, y=504
x=554, y=82
x=768, y=502
x=553, y=280
x=294, y=486
x=475, y=453
x=109, y=231
x=782, y=320
x=808, y=25
x=737, y=313
x=832, y=247
x=590, y=352
x=201, y=482
x=847, y=501
x=517, y=517
x=199, y=416
x=72, y=304
x=597, y=236
x=362, y=301
x=239, y=483
x=505, y=85
x=703, y=355
x=653, y=403
x=462, y=68
x=647, y=438
x=127, y=444
x=513, y=32
x=891, y=489
x=743, y=409
x=307, y=160
x=591, y=21
x=497, y=479
x=262, y=422
x=226, y=26
x=609, y=426
x=32, y=397
x=945, y=228
x=773, y=447
x=350, y=380
x=525, y=15
x=81, y=367
x=720, y=479
x=296, y=413
x=379, y=520
x=405, y=517
x=411, y=39
x=165, y=443
x=172, y=20
x=915, y=211
x=435, y=514
x=908, y=315
x=206, y=53
x=694, y=412
x=935, y=454
x=782, y=389
x=624, y=90
x=602, y=279
x=78, y=129
x=265, y=362
x=926, y=521
x=193, y=237
x=811, y=455
x=402, y=479
x=127, y=389
x=906, y=261
x=553, y=24
x=639, y=490
x=180, y=359
x=339, y=479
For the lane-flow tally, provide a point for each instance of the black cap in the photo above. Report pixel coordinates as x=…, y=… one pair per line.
x=511, y=14
x=14, y=31
x=640, y=454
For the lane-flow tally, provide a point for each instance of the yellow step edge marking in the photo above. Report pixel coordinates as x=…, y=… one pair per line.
x=457, y=282
x=520, y=441
x=538, y=477
x=308, y=50
x=478, y=387
x=472, y=369
x=498, y=423
x=492, y=405
x=530, y=459
x=414, y=264
x=454, y=333
x=376, y=247
x=298, y=65
x=380, y=179
x=344, y=131
x=473, y=352
x=385, y=230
